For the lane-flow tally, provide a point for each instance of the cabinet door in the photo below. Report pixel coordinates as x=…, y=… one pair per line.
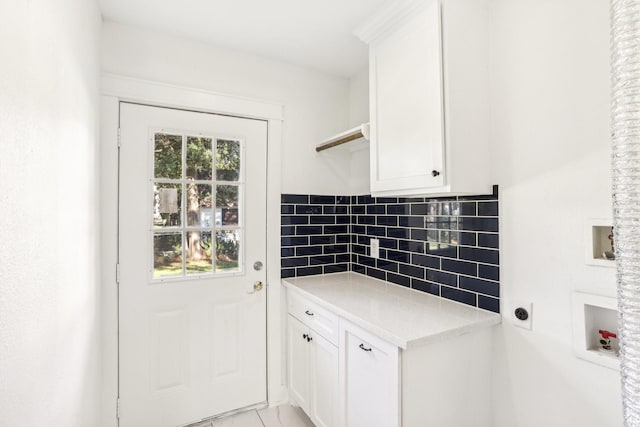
x=370, y=380
x=298, y=357
x=407, y=115
x=324, y=381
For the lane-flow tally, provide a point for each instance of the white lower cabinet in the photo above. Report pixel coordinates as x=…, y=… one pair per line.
x=313, y=361
x=369, y=382
x=346, y=376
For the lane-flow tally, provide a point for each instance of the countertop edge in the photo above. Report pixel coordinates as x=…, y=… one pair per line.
x=387, y=335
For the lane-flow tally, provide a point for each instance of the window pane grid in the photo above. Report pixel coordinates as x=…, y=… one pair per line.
x=197, y=219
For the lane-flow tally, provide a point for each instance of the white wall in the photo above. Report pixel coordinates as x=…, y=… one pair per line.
x=49, y=310
x=315, y=104
x=550, y=125
x=358, y=114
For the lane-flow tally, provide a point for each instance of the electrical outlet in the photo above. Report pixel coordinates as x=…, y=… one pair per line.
x=522, y=314
x=375, y=248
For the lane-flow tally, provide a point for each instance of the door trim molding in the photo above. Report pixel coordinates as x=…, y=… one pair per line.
x=116, y=89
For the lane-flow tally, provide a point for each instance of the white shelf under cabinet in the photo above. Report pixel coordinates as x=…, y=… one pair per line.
x=591, y=313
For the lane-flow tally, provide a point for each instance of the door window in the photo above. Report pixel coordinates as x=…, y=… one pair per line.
x=197, y=225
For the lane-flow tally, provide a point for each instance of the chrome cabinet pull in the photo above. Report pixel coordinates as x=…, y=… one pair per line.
x=362, y=347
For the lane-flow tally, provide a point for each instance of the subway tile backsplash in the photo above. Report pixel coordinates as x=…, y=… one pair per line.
x=447, y=247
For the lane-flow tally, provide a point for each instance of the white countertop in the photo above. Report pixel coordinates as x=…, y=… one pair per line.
x=402, y=316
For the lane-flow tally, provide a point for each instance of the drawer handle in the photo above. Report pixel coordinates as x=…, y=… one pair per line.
x=308, y=313
x=362, y=347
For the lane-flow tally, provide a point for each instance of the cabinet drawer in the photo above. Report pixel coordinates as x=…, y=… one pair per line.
x=315, y=317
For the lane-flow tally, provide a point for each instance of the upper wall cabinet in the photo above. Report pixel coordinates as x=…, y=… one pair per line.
x=428, y=71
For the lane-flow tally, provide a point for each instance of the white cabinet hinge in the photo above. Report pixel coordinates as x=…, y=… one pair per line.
x=118, y=408
x=119, y=139
x=118, y=273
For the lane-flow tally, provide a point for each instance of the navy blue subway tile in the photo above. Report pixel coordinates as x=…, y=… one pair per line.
x=442, y=277
x=323, y=259
x=458, y=295
x=488, y=208
x=335, y=249
x=378, y=274
x=294, y=241
x=287, y=252
x=390, y=221
x=308, y=210
x=487, y=303
x=294, y=262
x=322, y=240
x=488, y=256
x=420, y=209
x=442, y=250
x=490, y=272
x=424, y=286
x=359, y=249
x=376, y=231
x=336, y=229
x=461, y=267
x=419, y=234
x=308, y=271
x=389, y=243
x=398, y=279
x=365, y=200
x=398, y=256
x=288, y=230
x=287, y=272
x=386, y=200
x=478, y=224
x=364, y=219
x=322, y=219
x=358, y=268
x=411, y=246
x=411, y=221
x=384, y=264
x=375, y=210
x=425, y=261
x=335, y=268
x=294, y=219
x=466, y=209
x=366, y=260
x=308, y=250
x=343, y=219
x=411, y=270
x=488, y=240
x=443, y=246
x=322, y=200
x=398, y=209
x=480, y=286
x=398, y=232
x=343, y=238
x=308, y=230
x=294, y=198
x=467, y=238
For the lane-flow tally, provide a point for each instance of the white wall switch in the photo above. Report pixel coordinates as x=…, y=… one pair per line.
x=375, y=248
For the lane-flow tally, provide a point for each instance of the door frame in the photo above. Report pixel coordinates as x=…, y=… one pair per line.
x=116, y=89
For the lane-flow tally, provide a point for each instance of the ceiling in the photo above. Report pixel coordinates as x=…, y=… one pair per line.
x=314, y=34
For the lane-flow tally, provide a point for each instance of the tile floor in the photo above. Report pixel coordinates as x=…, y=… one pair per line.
x=279, y=416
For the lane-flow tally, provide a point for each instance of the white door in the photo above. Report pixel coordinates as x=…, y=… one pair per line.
x=192, y=329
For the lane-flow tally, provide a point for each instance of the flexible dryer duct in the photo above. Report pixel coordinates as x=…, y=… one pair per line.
x=625, y=115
